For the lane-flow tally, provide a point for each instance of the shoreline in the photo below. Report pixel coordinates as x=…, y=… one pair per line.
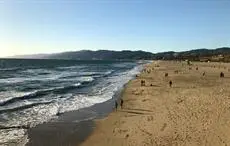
x=70, y=128
x=121, y=95
x=74, y=127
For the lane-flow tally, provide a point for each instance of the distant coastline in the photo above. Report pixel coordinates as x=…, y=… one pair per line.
x=218, y=54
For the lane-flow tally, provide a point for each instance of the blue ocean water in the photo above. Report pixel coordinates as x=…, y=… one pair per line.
x=36, y=91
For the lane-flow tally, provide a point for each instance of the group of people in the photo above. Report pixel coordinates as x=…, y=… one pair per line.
x=170, y=84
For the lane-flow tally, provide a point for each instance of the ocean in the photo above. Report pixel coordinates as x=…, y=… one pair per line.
x=37, y=91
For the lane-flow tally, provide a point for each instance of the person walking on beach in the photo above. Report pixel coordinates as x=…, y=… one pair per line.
x=122, y=101
x=204, y=73
x=116, y=105
x=170, y=83
x=221, y=74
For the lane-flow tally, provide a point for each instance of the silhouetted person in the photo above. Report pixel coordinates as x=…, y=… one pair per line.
x=204, y=73
x=166, y=74
x=116, y=105
x=221, y=74
x=170, y=83
x=142, y=82
x=196, y=68
x=122, y=101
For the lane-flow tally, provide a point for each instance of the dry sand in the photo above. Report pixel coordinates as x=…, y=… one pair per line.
x=194, y=111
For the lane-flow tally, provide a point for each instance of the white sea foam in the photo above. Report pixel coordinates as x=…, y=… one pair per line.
x=30, y=118
x=80, y=79
x=9, y=69
x=107, y=92
x=13, y=137
x=37, y=114
x=8, y=95
x=71, y=67
x=37, y=71
x=77, y=84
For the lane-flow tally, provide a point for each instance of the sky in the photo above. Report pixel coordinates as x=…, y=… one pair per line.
x=50, y=26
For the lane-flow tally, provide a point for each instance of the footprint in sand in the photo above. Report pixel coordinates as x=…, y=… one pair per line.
x=164, y=126
x=145, y=100
x=118, y=130
x=149, y=118
x=137, y=92
x=221, y=140
x=115, y=123
x=179, y=100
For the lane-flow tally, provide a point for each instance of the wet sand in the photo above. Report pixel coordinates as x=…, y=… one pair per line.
x=70, y=128
x=194, y=111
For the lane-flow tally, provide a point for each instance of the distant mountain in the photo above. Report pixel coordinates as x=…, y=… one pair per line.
x=219, y=54
x=93, y=55
x=33, y=56
x=103, y=55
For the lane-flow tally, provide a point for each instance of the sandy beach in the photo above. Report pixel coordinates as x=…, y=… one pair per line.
x=194, y=111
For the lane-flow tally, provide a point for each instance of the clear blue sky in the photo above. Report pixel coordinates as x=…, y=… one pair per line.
x=47, y=26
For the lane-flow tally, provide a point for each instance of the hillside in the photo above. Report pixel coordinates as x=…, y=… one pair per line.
x=93, y=55
x=103, y=55
x=219, y=54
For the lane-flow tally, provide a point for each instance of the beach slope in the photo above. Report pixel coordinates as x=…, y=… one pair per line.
x=194, y=111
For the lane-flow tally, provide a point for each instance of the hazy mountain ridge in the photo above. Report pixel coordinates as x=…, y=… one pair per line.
x=218, y=54
x=103, y=55
x=93, y=55
x=197, y=54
